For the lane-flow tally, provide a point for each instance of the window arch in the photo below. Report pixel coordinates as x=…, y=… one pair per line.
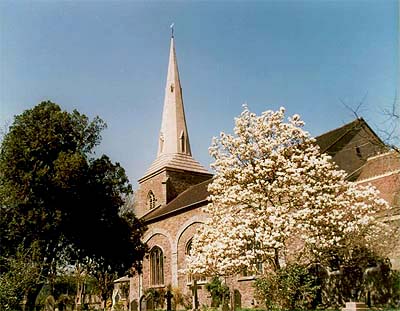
x=151, y=200
x=156, y=266
x=188, y=250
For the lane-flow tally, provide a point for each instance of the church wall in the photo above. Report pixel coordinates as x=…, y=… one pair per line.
x=176, y=232
x=388, y=186
x=175, y=226
x=155, y=184
x=183, y=281
x=383, y=172
x=244, y=285
x=166, y=186
x=165, y=244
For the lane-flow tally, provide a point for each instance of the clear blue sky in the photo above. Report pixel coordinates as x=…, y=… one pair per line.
x=109, y=58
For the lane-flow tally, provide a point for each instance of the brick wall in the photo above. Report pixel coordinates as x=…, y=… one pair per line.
x=157, y=185
x=172, y=236
x=166, y=184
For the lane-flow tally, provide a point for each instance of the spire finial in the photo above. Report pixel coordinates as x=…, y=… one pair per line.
x=172, y=29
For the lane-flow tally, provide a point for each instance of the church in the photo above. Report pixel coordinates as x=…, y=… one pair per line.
x=174, y=188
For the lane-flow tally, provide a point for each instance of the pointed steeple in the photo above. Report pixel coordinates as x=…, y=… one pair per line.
x=173, y=143
x=173, y=134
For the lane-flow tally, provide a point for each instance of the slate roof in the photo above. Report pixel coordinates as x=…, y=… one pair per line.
x=328, y=139
x=178, y=161
x=193, y=197
x=334, y=140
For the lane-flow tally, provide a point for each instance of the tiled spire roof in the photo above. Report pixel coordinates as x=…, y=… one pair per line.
x=173, y=144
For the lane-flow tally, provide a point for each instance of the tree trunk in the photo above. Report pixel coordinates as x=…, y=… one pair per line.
x=104, y=301
x=276, y=260
x=31, y=296
x=80, y=298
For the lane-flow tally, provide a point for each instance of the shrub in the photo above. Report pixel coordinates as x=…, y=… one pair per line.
x=219, y=292
x=290, y=288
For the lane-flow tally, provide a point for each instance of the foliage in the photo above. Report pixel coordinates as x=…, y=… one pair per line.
x=219, y=292
x=361, y=275
x=289, y=288
x=56, y=195
x=181, y=299
x=395, y=289
x=18, y=273
x=156, y=296
x=274, y=197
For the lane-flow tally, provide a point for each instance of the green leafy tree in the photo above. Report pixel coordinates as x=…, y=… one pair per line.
x=19, y=272
x=56, y=195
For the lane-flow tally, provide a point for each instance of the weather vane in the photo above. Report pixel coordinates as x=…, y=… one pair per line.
x=172, y=29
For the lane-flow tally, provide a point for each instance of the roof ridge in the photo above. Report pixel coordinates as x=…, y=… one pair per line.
x=340, y=127
x=350, y=125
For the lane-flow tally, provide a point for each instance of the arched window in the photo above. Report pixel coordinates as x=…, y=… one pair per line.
x=189, y=278
x=151, y=200
x=156, y=266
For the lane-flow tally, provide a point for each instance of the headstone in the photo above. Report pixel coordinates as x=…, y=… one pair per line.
x=134, y=305
x=355, y=306
x=49, y=303
x=143, y=303
x=237, y=299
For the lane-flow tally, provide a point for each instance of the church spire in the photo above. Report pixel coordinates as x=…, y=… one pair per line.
x=173, y=143
x=173, y=134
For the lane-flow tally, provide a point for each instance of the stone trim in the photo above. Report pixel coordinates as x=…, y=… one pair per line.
x=379, y=155
x=176, y=211
x=174, y=246
x=377, y=177
x=195, y=219
x=152, y=232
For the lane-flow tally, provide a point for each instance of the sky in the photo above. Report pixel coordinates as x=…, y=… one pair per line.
x=109, y=59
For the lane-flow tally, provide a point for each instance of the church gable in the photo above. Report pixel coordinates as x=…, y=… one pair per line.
x=351, y=145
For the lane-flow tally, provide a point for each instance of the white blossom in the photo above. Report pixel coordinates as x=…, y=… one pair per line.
x=272, y=186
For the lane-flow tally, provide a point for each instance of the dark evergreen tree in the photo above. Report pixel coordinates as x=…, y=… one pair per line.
x=56, y=196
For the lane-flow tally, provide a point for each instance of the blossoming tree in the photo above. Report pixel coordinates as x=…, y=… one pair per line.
x=274, y=192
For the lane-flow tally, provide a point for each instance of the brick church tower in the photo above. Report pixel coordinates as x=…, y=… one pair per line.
x=174, y=170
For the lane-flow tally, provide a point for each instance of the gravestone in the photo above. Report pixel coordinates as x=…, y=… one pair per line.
x=134, y=305
x=355, y=306
x=49, y=303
